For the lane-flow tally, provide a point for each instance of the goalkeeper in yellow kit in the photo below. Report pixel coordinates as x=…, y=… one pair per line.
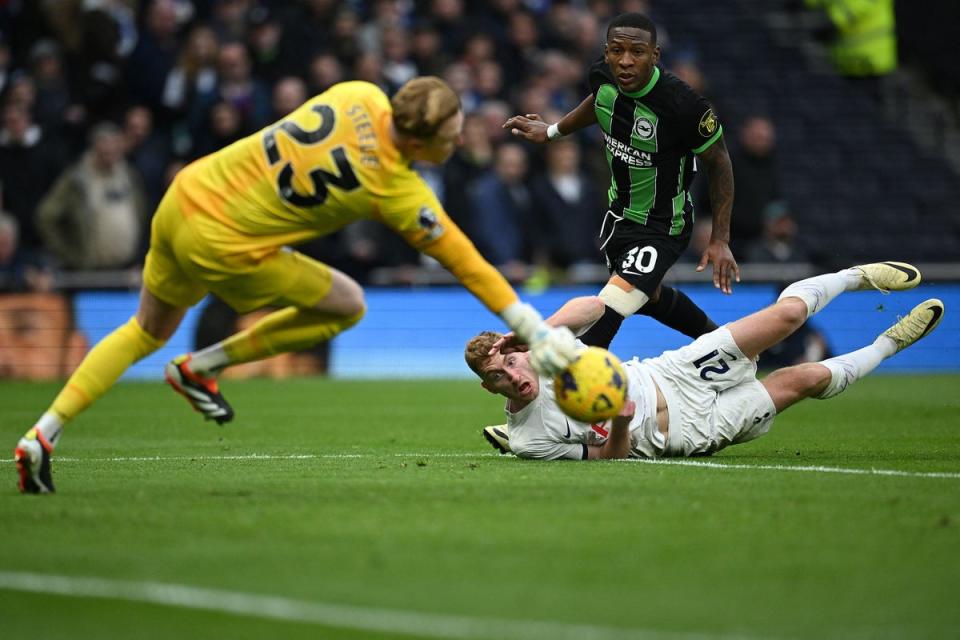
x=225, y=224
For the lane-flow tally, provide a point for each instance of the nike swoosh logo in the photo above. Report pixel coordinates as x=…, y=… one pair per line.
x=912, y=274
x=731, y=356
x=568, y=429
x=937, y=312
x=633, y=273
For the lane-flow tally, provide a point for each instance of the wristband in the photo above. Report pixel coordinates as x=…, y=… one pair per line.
x=553, y=132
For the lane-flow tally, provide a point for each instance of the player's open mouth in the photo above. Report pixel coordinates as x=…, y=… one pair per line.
x=524, y=388
x=625, y=78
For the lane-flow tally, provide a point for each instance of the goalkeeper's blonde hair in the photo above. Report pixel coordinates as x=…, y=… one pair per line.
x=422, y=105
x=478, y=350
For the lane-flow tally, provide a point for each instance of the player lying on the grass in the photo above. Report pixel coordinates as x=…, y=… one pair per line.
x=703, y=397
x=224, y=224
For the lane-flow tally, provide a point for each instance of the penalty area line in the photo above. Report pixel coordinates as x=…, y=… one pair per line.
x=372, y=619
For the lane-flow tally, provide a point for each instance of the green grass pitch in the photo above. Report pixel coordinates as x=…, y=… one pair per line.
x=374, y=509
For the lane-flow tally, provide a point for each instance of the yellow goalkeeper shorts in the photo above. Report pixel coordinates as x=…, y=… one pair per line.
x=182, y=266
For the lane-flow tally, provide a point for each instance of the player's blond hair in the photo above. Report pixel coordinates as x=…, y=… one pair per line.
x=478, y=350
x=422, y=105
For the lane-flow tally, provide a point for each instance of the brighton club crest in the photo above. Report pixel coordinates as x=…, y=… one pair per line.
x=643, y=128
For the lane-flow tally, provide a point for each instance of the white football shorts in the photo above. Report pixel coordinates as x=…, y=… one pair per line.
x=712, y=394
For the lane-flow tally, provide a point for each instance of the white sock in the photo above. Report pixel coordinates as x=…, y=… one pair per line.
x=818, y=291
x=850, y=367
x=50, y=427
x=209, y=360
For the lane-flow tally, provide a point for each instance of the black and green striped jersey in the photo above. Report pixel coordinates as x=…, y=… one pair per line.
x=651, y=137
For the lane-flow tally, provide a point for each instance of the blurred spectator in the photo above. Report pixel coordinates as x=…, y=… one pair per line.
x=386, y=16
x=147, y=151
x=5, y=62
x=561, y=26
x=229, y=18
x=95, y=215
x=588, y=39
x=479, y=48
x=307, y=29
x=488, y=81
x=426, y=51
x=22, y=90
x=686, y=68
x=209, y=127
x=779, y=242
x=757, y=178
x=109, y=35
x=195, y=73
x=369, y=68
x=288, y=93
x=398, y=68
x=469, y=161
x=265, y=39
x=863, y=41
x=450, y=22
x=567, y=209
x=225, y=125
x=155, y=54
x=11, y=270
x=494, y=114
x=30, y=160
x=54, y=106
x=95, y=38
x=521, y=50
x=19, y=271
x=325, y=70
x=458, y=76
x=501, y=212
x=343, y=37
x=237, y=87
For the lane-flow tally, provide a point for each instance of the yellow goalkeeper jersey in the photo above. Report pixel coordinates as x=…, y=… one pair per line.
x=329, y=163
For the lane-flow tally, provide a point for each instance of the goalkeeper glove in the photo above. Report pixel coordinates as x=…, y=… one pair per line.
x=551, y=348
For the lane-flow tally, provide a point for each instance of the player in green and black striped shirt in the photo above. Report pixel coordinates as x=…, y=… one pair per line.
x=656, y=130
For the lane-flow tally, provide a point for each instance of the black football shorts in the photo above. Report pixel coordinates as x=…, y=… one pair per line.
x=640, y=256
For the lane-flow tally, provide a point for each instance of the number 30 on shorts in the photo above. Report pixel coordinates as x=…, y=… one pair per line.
x=640, y=259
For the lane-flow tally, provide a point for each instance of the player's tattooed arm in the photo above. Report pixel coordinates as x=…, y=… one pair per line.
x=716, y=160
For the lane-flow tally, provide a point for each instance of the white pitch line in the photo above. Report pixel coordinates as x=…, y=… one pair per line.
x=377, y=620
x=949, y=475
x=269, y=456
x=807, y=468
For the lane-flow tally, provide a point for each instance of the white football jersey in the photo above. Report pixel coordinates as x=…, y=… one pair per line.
x=541, y=430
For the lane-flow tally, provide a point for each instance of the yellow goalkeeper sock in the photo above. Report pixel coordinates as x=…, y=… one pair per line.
x=102, y=366
x=289, y=329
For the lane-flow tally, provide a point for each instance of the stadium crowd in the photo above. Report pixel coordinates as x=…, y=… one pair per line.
x=103, y=102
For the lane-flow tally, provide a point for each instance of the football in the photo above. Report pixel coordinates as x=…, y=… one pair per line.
x=593, y=388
